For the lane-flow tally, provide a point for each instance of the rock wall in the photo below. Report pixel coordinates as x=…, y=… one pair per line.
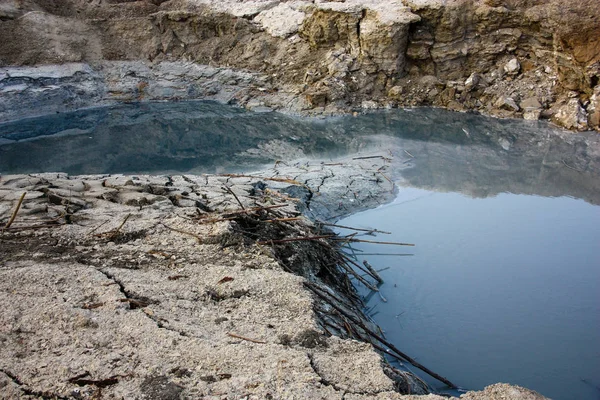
x=514, y=58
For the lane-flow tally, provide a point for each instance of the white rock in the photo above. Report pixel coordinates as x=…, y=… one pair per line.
x=281, y=21
x=369, y=105
x=512, y=67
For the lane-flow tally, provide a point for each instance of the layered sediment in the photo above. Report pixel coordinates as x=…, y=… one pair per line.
x=522, y=58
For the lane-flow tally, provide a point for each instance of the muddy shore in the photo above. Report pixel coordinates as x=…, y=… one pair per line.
x=167, y=287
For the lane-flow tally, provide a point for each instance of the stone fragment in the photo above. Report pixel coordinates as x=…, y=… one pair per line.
x=530, y=103
x=395, y=92
x=472, y=81
x=571, y=116
x=506, y=103
x=512, y=67
x=594, y=109
x=532, y=108
x=532, y=115
x=369, y=105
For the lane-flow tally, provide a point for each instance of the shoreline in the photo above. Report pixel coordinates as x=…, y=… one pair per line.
x=138, y=295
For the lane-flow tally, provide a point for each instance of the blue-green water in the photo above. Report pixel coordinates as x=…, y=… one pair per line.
x=503, y=284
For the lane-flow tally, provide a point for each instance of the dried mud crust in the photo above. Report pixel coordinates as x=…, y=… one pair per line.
x=179, y=287
x=158, y=288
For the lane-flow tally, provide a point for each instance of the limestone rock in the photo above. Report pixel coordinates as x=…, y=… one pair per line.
x=571, y=116
x=530, y=103
x=369, y=105
x=472, y=81
x=506, y=103
x=532, y=109
x=512, y=67
x=281, y=20
x=395, y=92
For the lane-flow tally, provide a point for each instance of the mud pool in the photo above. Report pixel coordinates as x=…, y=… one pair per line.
x=502, y=285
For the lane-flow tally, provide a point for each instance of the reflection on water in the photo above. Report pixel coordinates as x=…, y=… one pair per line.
x=503, y=284
x=500, y=288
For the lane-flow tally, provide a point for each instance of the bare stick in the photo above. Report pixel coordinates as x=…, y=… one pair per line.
x=410, y=155
x=568, y=166
x=285, y=180
x=233, y=335
x=355, y=229
x=228, y=189
x=295, y=239
x=370, y=157
x=245, y=211
x=282, y=219
x=120, y=226
x=374, y=273
x=321, y=293
x=388, y=179
x=357, y=265
x=375, y=242
x=14, y=214
x=360, y=278
x=200, y=240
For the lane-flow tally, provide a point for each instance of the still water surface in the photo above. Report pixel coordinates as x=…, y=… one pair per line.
x=504, y=281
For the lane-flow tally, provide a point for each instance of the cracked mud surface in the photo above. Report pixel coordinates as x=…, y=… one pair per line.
x=164, y=306
x=156, y=287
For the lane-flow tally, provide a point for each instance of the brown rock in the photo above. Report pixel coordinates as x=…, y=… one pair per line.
x=506, y=103
x=571, y=116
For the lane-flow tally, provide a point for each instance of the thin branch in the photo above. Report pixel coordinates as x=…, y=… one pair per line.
x=228, y=190
x=355, y=229
x=233, y=335
x=14, y=214
x=374, y=242
x=299, y=239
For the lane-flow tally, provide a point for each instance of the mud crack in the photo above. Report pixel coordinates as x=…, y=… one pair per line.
x=28, y=391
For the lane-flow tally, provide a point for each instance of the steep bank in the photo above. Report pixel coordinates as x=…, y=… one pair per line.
x=520, y=58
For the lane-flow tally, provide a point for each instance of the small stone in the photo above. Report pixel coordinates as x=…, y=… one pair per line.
x=532, y=115
x=369, y=105
x=512, y=67
x=506, y=103
x=531, y=103
x=472, y=81
x=395, y=91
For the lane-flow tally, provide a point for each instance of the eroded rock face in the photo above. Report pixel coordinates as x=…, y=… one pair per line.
x=330, y=56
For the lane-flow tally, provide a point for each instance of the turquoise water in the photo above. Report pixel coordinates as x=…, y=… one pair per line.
x=503, y=284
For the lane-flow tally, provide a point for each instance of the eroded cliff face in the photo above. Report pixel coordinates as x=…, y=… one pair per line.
x=515, y=58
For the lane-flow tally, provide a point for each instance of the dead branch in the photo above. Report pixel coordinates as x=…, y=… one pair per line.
x=233, y=335
x=14, y=214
